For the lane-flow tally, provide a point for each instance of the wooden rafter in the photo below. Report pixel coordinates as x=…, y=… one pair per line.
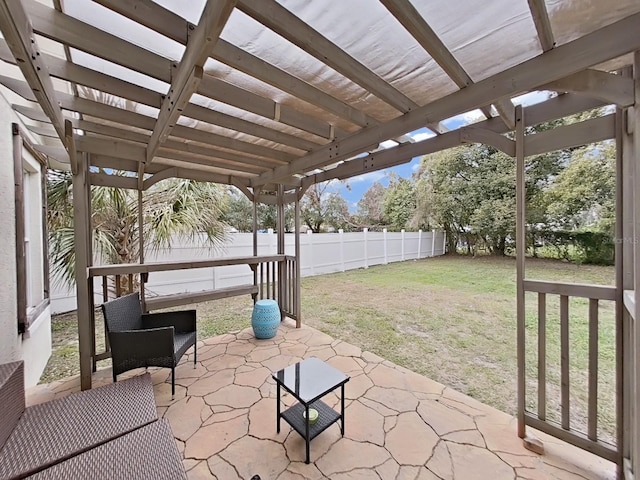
x=418, y=27
x=18, y=33
x=543, y=26
x=277, y=18
x=87, y=38
x=187, y=76
x=609, y=42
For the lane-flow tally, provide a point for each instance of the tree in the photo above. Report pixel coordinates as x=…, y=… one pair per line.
x=371, y=207
x=171, y=208
x=582, y=195
x=319, y=207
x=469, y=191
x=399, y=202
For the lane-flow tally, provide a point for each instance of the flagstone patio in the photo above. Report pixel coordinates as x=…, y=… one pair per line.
x=399, y=425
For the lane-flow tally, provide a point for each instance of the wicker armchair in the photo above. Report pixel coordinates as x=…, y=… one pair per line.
x=147, y=339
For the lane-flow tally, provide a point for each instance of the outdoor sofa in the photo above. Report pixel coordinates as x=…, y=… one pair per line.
x=109, y=432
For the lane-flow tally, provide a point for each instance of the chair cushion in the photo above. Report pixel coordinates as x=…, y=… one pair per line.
x=54, y=431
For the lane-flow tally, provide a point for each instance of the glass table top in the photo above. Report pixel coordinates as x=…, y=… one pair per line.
x=310, y=379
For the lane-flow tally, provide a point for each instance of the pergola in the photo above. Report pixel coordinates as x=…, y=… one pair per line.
x=275, y=96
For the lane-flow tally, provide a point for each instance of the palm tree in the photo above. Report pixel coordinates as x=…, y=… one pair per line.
x=173, y=208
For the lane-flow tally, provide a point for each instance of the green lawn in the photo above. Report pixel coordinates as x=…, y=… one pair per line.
x=450, y=318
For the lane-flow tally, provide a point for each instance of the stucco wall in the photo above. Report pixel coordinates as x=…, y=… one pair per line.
x=35, y=346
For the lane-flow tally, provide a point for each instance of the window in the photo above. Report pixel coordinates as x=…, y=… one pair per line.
x=32, y=267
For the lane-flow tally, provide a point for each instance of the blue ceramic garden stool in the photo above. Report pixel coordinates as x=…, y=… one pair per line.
x=265, y=318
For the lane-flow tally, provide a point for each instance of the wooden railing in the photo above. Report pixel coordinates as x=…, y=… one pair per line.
x=274, y=277
x=584, y=436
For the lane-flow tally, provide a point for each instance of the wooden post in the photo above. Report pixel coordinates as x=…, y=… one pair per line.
x=280, y=225
x=634, y=120
x=520, y=272
x=256, y=198
x=141, y=246
x=81, y=234
x=297, y=305
x=621, y=317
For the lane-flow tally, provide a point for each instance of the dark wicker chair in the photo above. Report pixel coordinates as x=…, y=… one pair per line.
x=147, y=339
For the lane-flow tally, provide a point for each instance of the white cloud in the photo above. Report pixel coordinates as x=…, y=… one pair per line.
x=418, y=137
x=416, y=167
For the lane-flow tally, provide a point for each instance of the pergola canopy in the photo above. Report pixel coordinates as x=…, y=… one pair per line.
x=258, y=92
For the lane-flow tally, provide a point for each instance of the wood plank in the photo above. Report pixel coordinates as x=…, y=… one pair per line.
x=187, y=76
x=543, y=26
x=592, y=415
x=520, y=269
x=168, y=301
x=565, y=403
x=18, y=33
x=600, y=292
x=487, y=137
x=135, y=268
x=116, y=181
x=277, y=18
x=542, y=356
x=609, y=42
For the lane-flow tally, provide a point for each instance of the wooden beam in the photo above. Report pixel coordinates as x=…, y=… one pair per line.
x=247, y=193
x=474, y=134
x=188, y=74
x=507, y=112
x=609, y=42
x=557, y=107
x=277, y=18
x=158, y=177
x=87, y=38
x=116, y=181
x=543, y=26
x=574, y=135
x=18, y=33
x=605, y=86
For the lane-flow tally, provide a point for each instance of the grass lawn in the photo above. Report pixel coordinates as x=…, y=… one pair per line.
x=450, y=318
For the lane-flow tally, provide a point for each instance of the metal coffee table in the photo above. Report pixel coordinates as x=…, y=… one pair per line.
x=308, y=381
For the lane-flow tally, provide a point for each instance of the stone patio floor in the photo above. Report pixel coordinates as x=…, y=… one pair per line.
x=398, y=425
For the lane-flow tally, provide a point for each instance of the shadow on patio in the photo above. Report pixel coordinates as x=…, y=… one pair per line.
x=399, y=425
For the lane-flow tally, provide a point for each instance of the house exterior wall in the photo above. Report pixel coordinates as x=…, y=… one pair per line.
x=34, y=346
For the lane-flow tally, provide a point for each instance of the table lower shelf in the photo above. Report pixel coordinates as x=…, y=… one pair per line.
x=326, y=417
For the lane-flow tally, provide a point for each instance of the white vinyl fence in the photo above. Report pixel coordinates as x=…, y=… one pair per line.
x=320, y=253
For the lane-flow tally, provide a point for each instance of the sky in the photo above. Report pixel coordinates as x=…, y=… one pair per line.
x=353, y=188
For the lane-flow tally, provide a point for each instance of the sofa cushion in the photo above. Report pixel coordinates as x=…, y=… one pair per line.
x=11, y=398
x=147, y=453
x=54, y=431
